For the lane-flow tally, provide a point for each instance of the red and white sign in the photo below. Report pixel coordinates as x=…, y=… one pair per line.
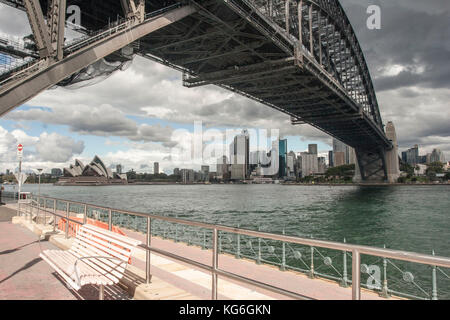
x=19, y=150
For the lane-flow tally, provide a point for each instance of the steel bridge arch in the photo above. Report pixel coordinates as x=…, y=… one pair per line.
x=326, y=15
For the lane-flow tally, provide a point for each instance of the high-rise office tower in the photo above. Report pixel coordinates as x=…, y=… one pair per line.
x=330, y=159
x=156, y=168
x=437, y=156
x=282, y=150
x=309, y=164
x=119, y=169
x=312, y=148
x=239, y=156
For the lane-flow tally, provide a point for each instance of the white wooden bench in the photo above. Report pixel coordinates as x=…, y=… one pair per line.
x=97, y=256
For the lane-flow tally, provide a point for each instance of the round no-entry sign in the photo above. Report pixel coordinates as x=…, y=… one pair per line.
x=19, y=147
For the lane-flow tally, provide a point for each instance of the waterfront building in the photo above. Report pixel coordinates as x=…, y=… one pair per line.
x=330, y=159
x=420, y=169
x=187, y=175
x=119, y=169
x=312, y=148
x=291, y=165
x=269, y=163
x=437, y=156
x=176, y=171
x=321, y=165
x=156, y=168
x=282, y=153
x=204, y=173
x=422, y=159
x=411, y=155
x=349, y=153
x=239, y=156
x=339, y=158
x=405, y=157
x=309, y=164
x=94, y=173
x=205, y=169
x=56, y=172
x=222, y=167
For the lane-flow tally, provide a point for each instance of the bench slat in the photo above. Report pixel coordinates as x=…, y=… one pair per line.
x=66, y=262
x=102, y=264
x=103, y=246
x=114, y=235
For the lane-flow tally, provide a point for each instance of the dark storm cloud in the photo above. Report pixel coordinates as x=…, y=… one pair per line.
x=414, y=34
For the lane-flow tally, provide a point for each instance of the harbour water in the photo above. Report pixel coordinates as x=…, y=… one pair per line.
x=412, y=218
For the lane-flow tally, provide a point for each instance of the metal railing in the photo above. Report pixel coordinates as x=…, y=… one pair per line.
x=113, y=216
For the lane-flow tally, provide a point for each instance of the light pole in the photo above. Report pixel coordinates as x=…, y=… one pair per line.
x=39, y=192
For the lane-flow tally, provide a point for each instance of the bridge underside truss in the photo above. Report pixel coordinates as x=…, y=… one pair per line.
x=299, y=57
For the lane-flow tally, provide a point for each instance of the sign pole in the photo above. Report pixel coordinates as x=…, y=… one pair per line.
x=19, y=154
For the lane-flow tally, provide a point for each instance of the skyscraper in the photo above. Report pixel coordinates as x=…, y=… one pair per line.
x=437, y=156
x=239, y=156
x=155, y=168
x=119, y=169
x=330, y=159
x=349, y=156
x=312, y=148
x=222, y=167
x=309, y=164
x=282, y=150
x=412, y=155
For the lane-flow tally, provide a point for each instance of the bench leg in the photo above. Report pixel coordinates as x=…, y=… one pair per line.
x=101, y=295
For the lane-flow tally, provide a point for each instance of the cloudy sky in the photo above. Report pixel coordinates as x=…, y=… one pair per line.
x=144, y=114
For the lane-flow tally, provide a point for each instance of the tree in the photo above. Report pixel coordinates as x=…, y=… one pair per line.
x=409, y=169
x=346, y=171
x=436, y=167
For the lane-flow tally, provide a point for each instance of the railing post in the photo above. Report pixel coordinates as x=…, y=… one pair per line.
x=45, y=211
x=384, y=291
x=434, y=295
x=356, y=275
x=54, y=215
x=67, y=219
x=283, y=258
x=238, y=245
x=204, y=240
x=311, y=268
x=258, y=260
x=344, y=282
x=85, y=214
x=215, y=260
x=176, y=230
x=148, y=276
x=110, y=220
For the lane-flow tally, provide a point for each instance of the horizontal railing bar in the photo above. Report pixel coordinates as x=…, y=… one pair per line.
x=373, y=251
x=55, y=214
x=225, y=273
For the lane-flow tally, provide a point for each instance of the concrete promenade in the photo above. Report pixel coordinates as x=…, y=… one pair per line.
x=176, y=280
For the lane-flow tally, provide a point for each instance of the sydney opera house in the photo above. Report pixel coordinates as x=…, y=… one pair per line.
x=94, y=173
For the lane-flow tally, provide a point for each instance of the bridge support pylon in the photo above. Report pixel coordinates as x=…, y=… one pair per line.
x=378, y=165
